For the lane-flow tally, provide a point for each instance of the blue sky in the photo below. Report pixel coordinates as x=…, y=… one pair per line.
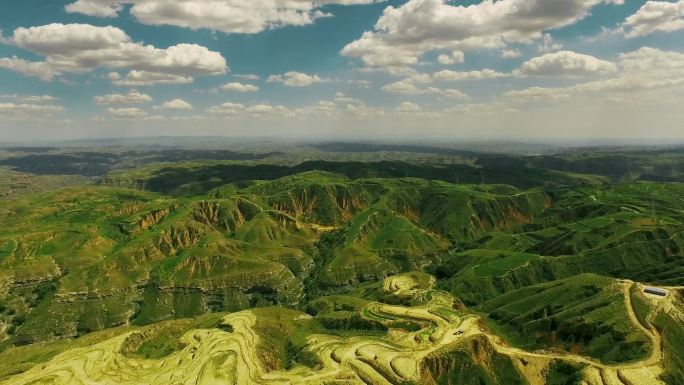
x=430, y=68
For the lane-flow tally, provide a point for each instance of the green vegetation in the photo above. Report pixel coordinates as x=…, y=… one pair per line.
x=584, y=314
x=159, y=346
x=14, y=183
x=503, y=264
x=562, y=373
x=670, y=325
x=465, y=268
x=463, y=366
x=642, y=309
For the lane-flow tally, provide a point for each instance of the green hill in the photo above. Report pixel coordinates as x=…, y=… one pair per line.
x=526, y=276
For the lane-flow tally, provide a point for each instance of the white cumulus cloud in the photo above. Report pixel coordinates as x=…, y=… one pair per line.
x=136, y=78
x=230, y=16
x=296, y=79
x=403, y=34
x=654, y=16
x=28, y=110
x=241, y=111
x=40, y=70
x=176, y=104
x=95, y=8
x=78, y=48
x=408, y=107
x=455, y=57
x=447, y=75
x=640, y=73
x=127, y=113
x=133, y=97
x=239, y=87
x=407, y=87
x=565, y=63
x=34, y=99
x=510, y=53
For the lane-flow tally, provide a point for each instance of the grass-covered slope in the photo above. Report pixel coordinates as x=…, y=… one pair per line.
x=630, y=231
x=81, y=260
x=584, y=314
x=15, y=183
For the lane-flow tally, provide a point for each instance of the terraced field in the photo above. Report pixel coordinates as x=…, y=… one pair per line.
x=227, y=354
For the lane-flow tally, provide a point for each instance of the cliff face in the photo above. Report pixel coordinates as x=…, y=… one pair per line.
x=226, y=215
x=327, y=205
x=151, y=219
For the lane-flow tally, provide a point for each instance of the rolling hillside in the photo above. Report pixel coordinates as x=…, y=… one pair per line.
x=525, y=284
